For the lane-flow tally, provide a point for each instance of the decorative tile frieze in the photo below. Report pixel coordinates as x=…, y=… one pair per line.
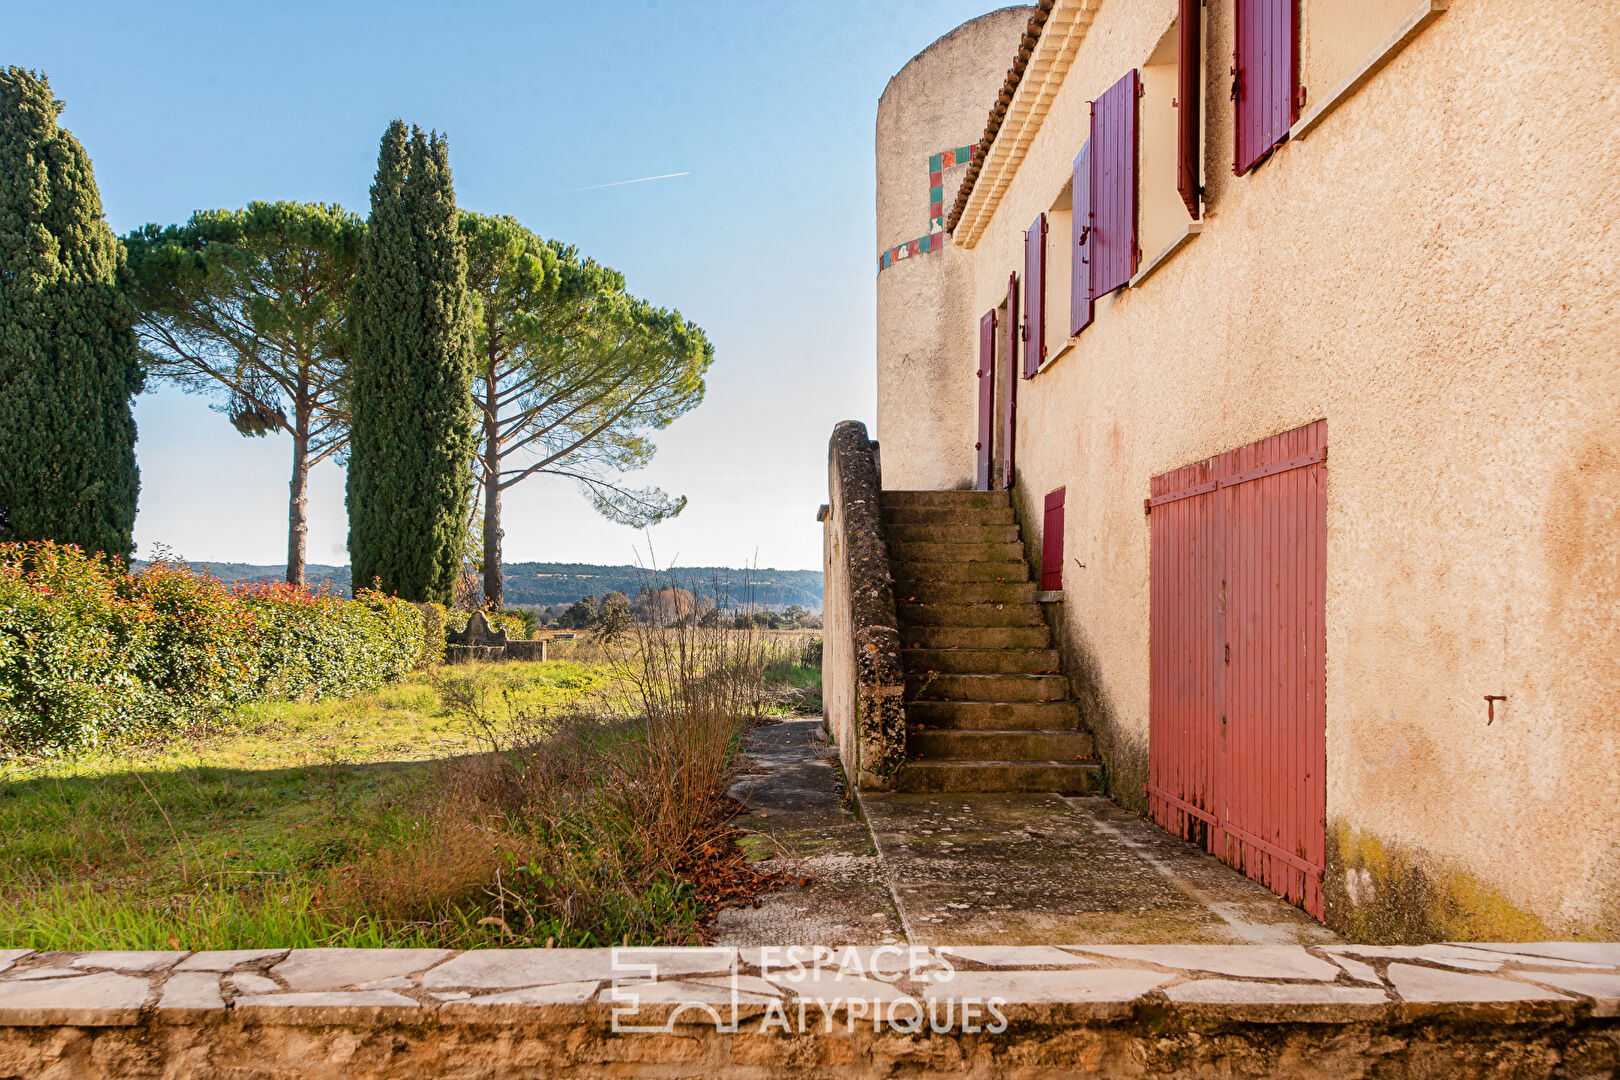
x=935, y=239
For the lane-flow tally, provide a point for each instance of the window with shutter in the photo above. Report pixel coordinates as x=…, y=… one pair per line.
x=1189, y=104
x=1113, y=186
x=1052, y=543
x=1265, y=77
x=1035, y=297
x=1080, y=274
x=987, y=386
x=1011, y=382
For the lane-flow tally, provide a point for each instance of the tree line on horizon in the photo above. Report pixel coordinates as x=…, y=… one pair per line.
x=615, y=611
x=437, y=351
x=540, y=585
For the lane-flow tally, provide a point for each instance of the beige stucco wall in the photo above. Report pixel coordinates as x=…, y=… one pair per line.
x=938, y=101
x=1433, y=271
x=1336, y=35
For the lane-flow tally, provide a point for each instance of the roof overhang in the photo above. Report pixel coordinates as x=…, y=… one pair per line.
x=1014, y=123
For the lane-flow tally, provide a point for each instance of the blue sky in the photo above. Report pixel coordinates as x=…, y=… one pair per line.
x=769, y=244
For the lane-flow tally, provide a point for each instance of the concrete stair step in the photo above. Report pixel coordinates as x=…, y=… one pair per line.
x=911, y=591
x=975, y=637
x=994, y=715
x=940, y=551
x=985, y=500
x=926, y=570
x=1000, y=745
x=948, y=515
x=950, y=534
x=926, y=685
x=1069, y=777
x=967, y=615
x=983, y=661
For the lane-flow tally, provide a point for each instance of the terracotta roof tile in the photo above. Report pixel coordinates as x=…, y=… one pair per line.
x=998, y=111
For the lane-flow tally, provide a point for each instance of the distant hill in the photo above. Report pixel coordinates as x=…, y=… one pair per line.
x=543, y=584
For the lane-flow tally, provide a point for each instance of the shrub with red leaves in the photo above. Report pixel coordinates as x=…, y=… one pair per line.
x=91, y=650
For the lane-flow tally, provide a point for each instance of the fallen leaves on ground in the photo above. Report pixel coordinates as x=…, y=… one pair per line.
x=723, y=877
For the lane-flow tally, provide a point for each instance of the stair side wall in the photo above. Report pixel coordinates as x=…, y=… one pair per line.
x=862, y=684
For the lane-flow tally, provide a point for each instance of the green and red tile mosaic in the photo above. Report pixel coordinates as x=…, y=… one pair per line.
x=937, y=164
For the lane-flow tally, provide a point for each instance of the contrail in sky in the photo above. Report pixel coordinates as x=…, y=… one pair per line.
x=621, y=183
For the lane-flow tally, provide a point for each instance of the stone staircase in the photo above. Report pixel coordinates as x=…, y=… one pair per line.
x=987, y=707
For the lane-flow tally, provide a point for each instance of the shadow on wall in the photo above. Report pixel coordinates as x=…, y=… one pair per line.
x=1124, y=756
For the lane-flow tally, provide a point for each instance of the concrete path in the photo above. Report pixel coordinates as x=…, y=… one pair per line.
x=977, y=869
x=1027, y=869
x=797, y=813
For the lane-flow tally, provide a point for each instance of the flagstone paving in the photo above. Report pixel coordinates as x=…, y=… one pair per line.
x=796, y=816
x=92, y=992
x=976, y=869
x=1042, y=868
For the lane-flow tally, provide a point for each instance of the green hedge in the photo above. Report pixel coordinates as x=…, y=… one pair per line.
x=90, y=651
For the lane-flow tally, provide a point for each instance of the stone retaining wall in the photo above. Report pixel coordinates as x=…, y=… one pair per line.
x=1032, y=1011
x=862, y=682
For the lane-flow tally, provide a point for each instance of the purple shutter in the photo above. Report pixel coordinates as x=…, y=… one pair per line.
x=1012, y=376
x=1035, y=297
x=1052, y=543
x=987, y=385
x=1264, y=86
x=1189, y=92
x=1113, y=186
x=1080, y=280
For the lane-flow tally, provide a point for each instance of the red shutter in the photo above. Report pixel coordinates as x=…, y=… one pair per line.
x=1080, y=280
x=987, y=385
x=1267, y=77
x=1035, y=297
x=1189, y=93
x=1012, y=375
x=1052, y=543
x=1113, y=186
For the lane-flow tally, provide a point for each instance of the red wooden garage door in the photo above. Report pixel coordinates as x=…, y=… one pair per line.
x=1237, y=757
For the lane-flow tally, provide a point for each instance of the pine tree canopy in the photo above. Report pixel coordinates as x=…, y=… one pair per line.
x=69, y=364
x=572, y=373
x=251, y=306
x=412, y=434
x=581, y=369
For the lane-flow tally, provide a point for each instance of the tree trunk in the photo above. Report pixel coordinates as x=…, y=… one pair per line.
x=494, y=592
x=297, y=518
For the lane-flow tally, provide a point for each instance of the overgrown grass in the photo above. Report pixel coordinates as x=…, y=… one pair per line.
x=794, y=675
x=273, y=830
x=625, y=814
x=574, y=802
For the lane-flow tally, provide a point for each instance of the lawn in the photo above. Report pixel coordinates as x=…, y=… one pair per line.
x=573, y=802
x=266, y=831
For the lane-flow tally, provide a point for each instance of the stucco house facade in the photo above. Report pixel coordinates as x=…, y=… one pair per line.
x=1288, y=329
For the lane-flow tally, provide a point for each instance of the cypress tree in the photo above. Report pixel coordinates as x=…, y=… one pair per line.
x=412, y=423
x=69, y=364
